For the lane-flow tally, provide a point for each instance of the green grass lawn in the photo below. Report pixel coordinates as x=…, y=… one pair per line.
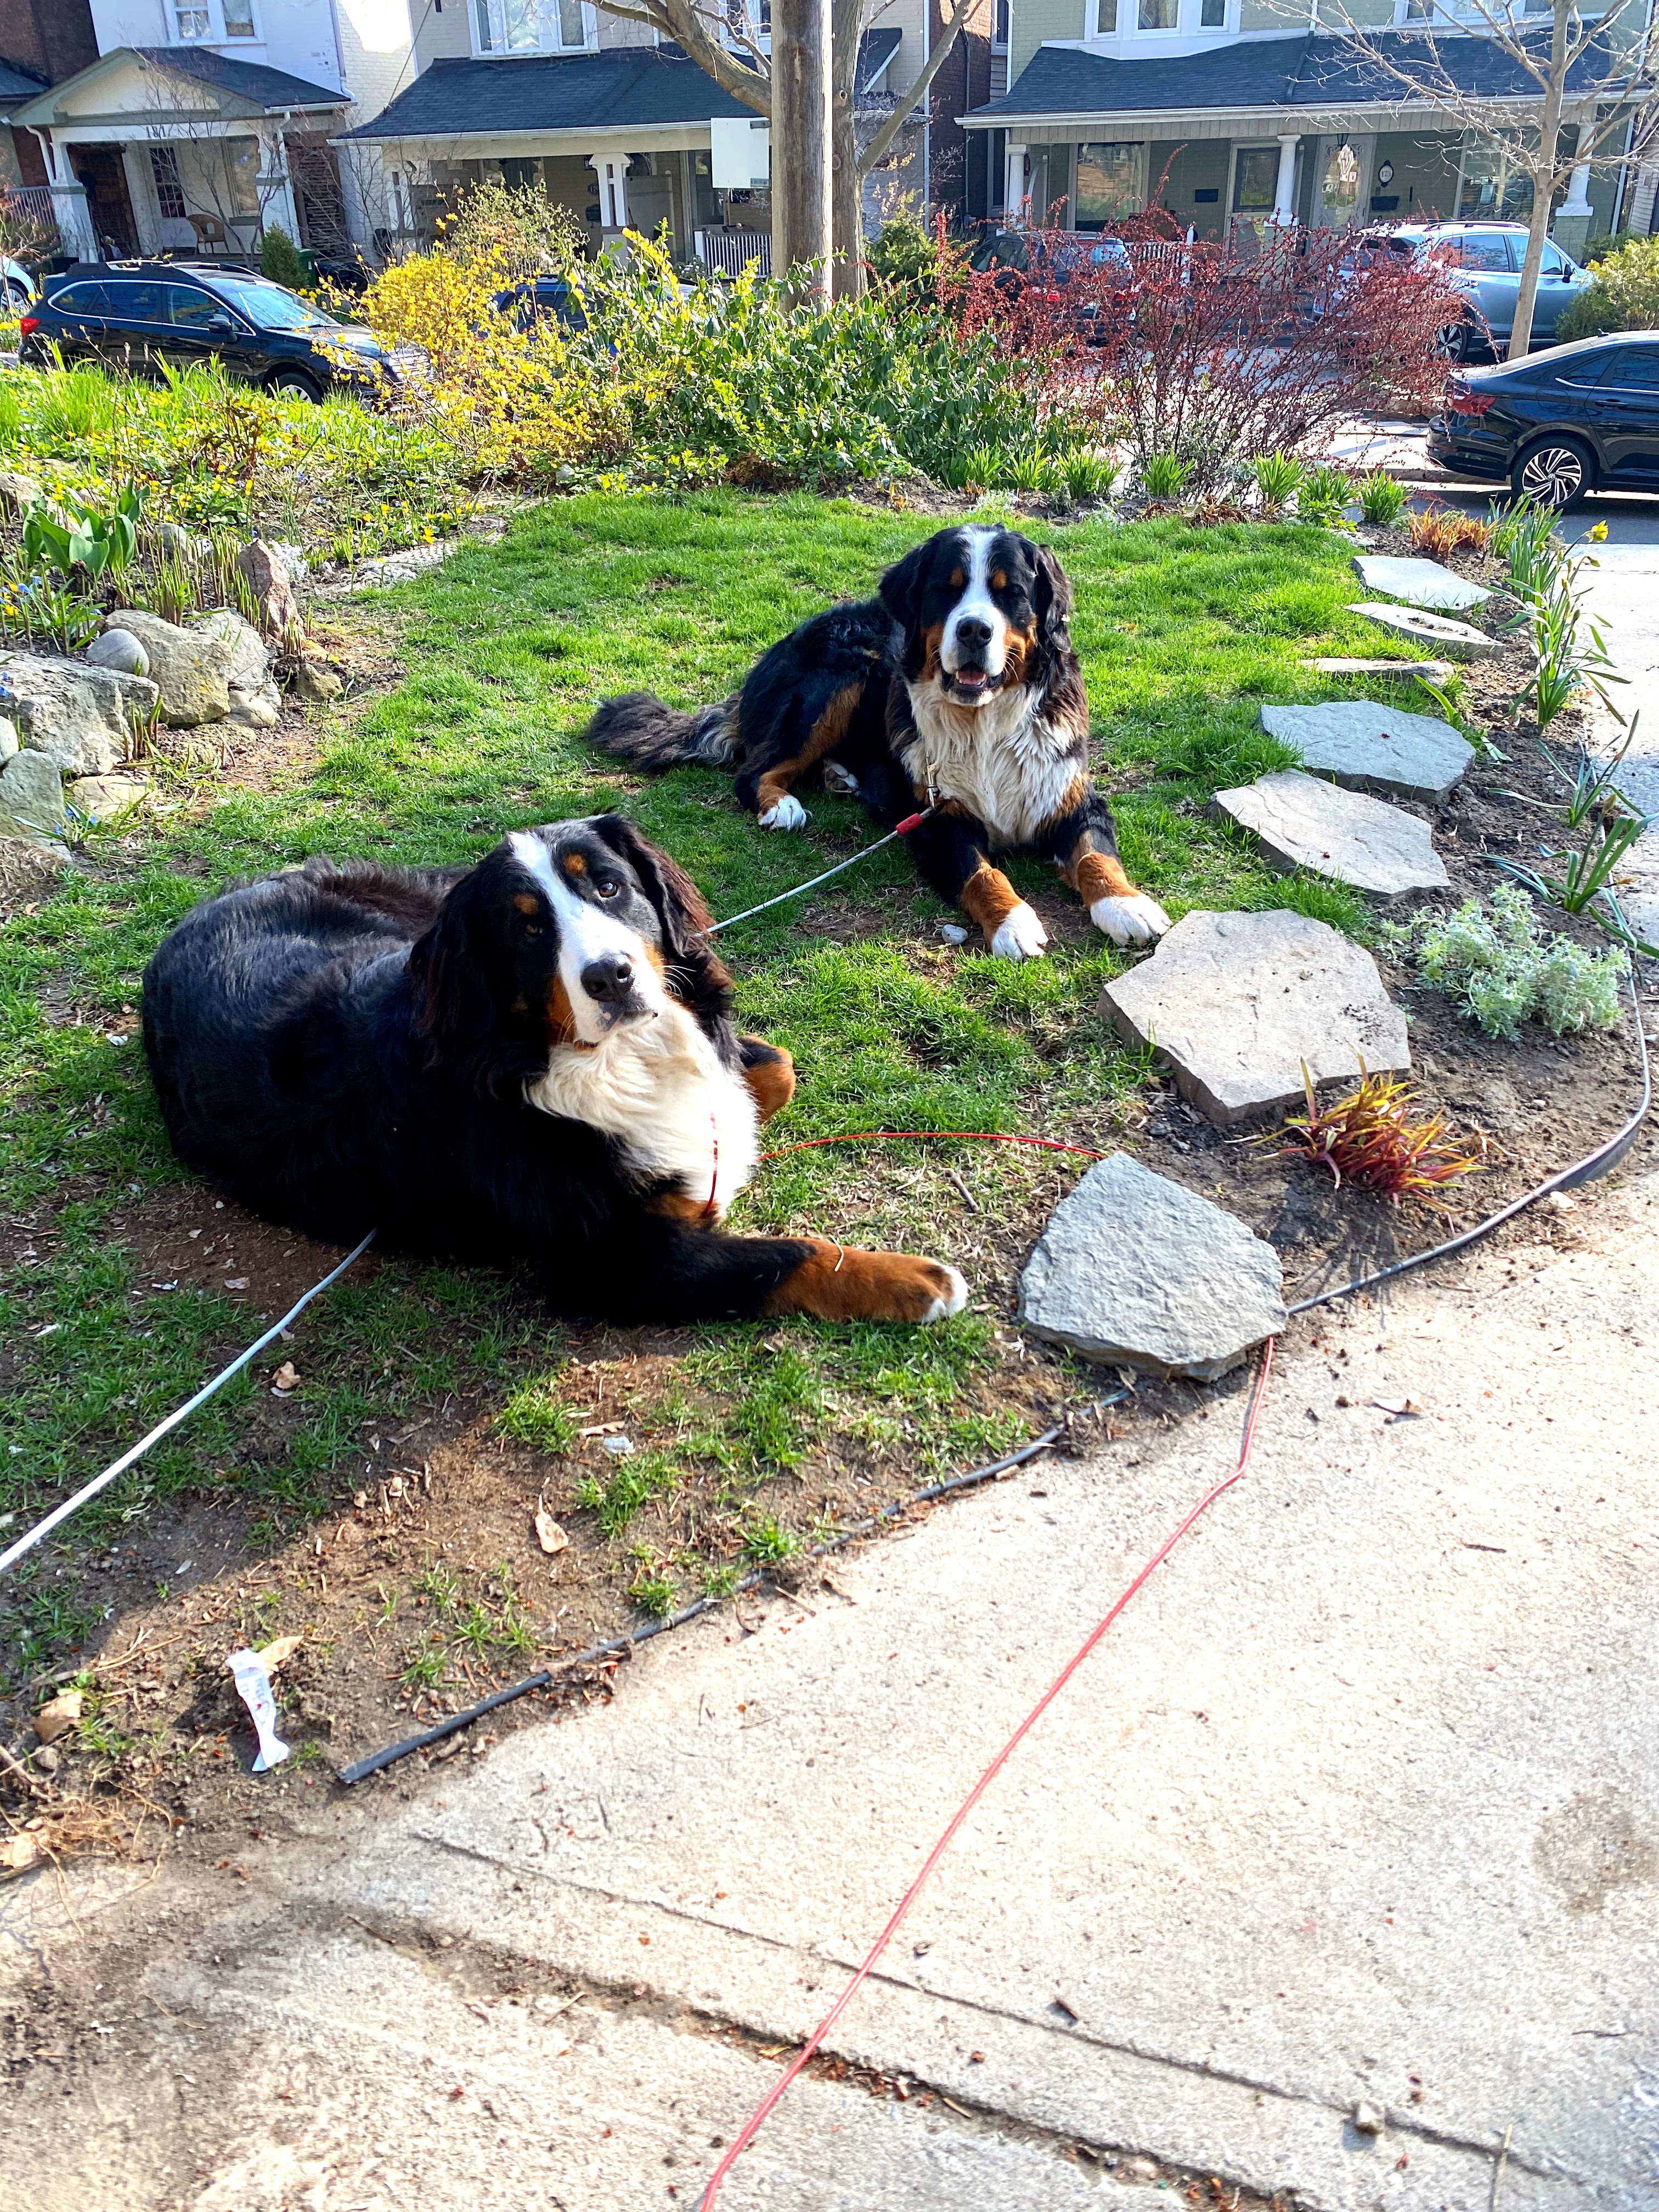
x=1181, y=630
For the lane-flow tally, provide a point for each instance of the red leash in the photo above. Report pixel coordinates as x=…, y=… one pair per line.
x=752, y=2127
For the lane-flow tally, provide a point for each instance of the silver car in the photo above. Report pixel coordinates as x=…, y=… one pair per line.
x=1483, y=260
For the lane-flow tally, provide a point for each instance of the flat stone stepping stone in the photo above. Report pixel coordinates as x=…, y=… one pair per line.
x=1133, y=1269
x=1457, y=641
x=1367, y=746
x=1235, y=1003
x=1422, y=583
x=1436, y=670
x=1301, y=822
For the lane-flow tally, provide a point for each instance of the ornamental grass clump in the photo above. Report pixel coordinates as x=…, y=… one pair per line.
x=1498, y=968
x=1368, y=1137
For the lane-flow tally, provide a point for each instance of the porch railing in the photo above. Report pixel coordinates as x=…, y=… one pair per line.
x=730, y=252
x=30, y=218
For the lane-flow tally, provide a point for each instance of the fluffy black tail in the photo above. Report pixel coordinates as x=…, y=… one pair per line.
x=641, y=728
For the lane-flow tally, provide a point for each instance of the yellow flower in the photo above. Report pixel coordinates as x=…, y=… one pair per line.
x=1598, y=534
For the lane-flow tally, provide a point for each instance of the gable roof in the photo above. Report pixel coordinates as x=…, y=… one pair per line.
x=17, y=84
x=245, y=89
x=618, y=89
x=1307, y=70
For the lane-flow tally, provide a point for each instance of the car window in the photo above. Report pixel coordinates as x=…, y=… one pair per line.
x=1491, y=252
x=80, y=300
x=1634, y=368
x=269, y=307
x=194, y=309
x=133, y=303
x=1583, y=369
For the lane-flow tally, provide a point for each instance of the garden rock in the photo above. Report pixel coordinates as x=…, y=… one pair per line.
x=1457, y=641
x=184, y=544
x=18, y=493
x=1135, y=1270
x=267, y=577
x=9, y=740
x=189, y=667
x=1300, y=821
x=1371, y=747
x=31, y=798
x=255, y=710
x=1436, y=670
x=79, y=717
x=247, y=664
x=120, y=650
x=312, y=681
x=102, y=797
x=1421, y=583
x=1236, y=1003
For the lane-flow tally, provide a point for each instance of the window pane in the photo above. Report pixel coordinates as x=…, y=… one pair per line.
x=1554, y=263
x=1108, y=184
x=481, y=18
x=138, y=303
x=1484, y=253
x=241, y=174
x=169, y=192
x=1106, y=25
x=1635, y=369
x=1213, y=17
x=193, y=23
x=239, y=19
x=192, y=310
x=1158, y=15
x=522, y=32
x=1255, y=181
x=572, y=32
x=80, y=300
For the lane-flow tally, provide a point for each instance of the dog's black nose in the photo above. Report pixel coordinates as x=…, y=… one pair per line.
x=611, y=976
x=973, y=634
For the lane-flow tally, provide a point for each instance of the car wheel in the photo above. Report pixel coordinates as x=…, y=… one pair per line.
x=1455, y=340
x=297, y=385
x=1556, y=472
x=16, y=298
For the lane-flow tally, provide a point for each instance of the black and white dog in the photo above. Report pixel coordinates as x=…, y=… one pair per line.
x=956, y=687
x=533, y=1057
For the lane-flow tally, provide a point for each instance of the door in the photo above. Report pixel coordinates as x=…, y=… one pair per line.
x=1341, y=178
x=203, y=328
x=138, y=328
x=102, y=175
x=1559, y=282
x=1628, y=404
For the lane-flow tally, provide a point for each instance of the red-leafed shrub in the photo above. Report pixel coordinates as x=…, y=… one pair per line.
x=1210, y=354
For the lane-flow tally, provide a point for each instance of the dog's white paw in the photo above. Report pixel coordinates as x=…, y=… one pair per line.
x=1021, y=936
x=788, y=814
x=1136, y=921
x=953, y=1301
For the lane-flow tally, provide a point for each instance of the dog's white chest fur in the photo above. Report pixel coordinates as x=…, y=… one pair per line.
x=1000, y=761
x=661, y=1089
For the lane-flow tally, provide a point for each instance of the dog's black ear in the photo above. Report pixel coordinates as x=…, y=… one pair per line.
x=1053, y=598
x=450, y=966
x=900, y=588
x=679, y=904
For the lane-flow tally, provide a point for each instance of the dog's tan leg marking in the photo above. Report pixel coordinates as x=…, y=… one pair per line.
x=843, y=1285
x=989, y=898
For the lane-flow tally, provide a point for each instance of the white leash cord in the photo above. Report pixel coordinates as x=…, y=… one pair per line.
x=60, y=1513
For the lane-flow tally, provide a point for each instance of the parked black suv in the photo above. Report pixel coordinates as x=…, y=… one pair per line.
x=136, y=314
x=1581, y=418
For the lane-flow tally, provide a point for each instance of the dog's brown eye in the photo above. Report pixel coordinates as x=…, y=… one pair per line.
x=607, y=886
x=532, y=929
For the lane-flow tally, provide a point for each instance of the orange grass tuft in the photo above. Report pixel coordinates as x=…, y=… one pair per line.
x=1368, y=1139
x=1443, y=530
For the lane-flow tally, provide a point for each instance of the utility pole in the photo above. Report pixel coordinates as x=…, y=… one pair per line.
x=802, y=165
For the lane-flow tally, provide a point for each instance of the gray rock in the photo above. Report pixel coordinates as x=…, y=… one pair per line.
x=255, y=710
x=9, y=740
x=1236, y=1003
x=32, y=795
x=312, y=681
x=1135, y=1270
x=1436, y=670
x=189, y=666
x=120, y=650
x=184, y=544
x=18, y=492
x=246, y=662
x=1420, y=583
x=103, y=798
x=1457, y=641
x=1370, y=747
x=268, y=579
x=1299, y=821
x=1367, y=2117
x=79, y=717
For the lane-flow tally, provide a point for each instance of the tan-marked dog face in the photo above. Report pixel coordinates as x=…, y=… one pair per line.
x=976, y=606
x=574, y=929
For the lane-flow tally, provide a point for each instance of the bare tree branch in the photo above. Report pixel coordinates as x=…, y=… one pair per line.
x=909, y=101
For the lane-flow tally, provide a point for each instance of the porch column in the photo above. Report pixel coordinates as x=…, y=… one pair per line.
x=612, y=171
x=69, y=207
x=1574, y=215
x=275, y=188
x=1285, y=188
x=1013, y=188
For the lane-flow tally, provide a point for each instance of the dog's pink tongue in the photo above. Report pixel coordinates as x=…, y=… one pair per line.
x=970, y=679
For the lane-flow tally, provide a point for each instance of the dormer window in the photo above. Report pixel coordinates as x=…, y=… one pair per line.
x=532, y=26
x=1162, y=19
x=220, y=23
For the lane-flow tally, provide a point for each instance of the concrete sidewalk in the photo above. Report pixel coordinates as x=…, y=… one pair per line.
x=1360, y=1800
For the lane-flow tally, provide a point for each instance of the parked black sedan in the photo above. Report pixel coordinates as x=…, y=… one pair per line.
x=1581, y=418
x=138, y=314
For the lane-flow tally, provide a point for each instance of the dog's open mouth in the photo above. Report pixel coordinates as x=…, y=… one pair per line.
x=968, y=683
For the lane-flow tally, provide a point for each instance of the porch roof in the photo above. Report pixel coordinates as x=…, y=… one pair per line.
x=621, y=87
x=242, y=89
x=1281, y=74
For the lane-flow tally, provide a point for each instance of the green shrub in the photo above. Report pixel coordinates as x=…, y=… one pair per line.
x=279, y=259
x=905, y=255
x=1622, y=294
x=1498, y=968
x=1164, y=477
x=1278, y=478
x=1324, y=493
x=1604, y=243
x=1381, y=501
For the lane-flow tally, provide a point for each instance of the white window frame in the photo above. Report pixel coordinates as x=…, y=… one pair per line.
x=215, y=34
x=1187, y=23
x=548, y=41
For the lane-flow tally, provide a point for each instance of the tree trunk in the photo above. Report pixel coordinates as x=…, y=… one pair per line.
x=1543, y=182
x=847, y=186
x=801, y=164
